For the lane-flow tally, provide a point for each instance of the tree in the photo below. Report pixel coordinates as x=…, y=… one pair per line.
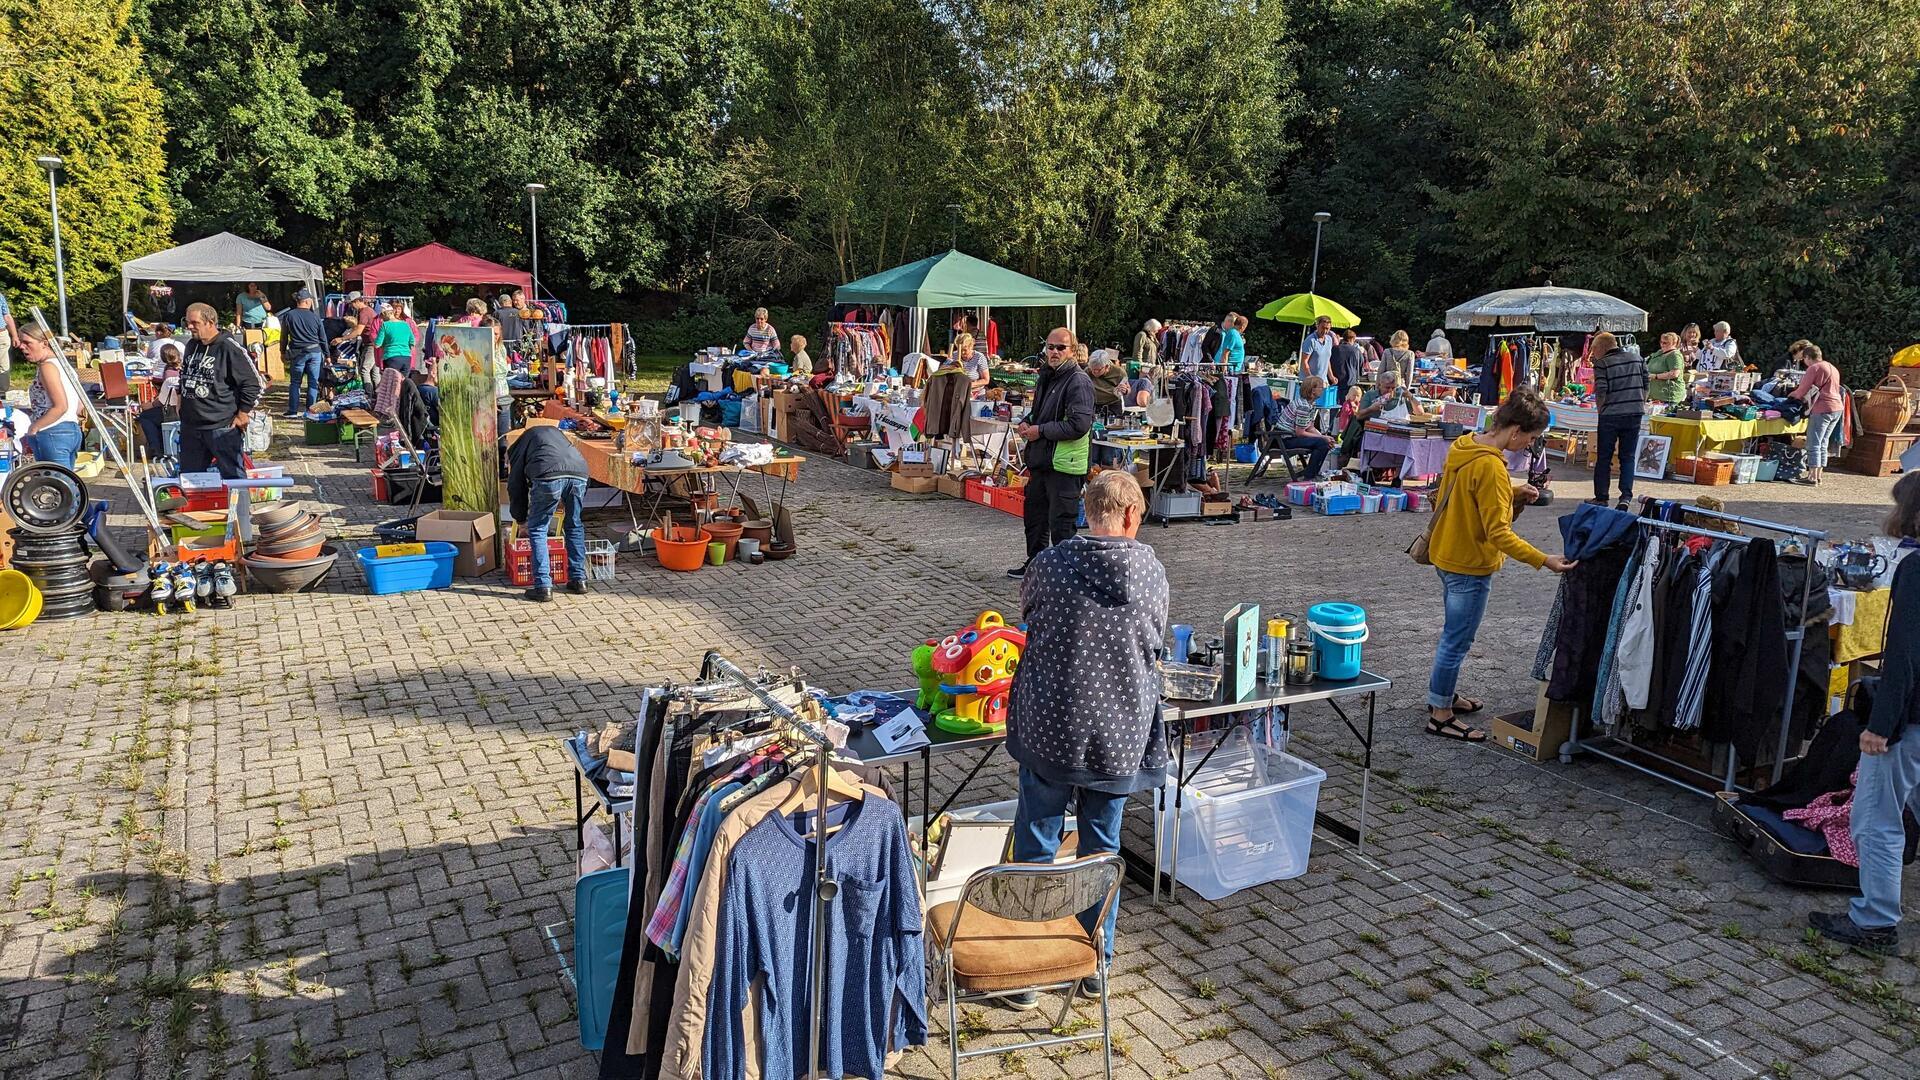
x=845, y=147
x=72, y=84
x=1707, y=158
x=1121, y=146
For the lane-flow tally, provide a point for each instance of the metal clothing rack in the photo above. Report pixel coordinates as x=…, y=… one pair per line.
x=1606, y=745
x=824, y=887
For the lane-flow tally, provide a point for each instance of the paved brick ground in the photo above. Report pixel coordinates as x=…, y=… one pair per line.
x=329, y=835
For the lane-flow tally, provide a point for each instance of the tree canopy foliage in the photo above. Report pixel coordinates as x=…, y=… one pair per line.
x=72, y=85
x=1753, y=160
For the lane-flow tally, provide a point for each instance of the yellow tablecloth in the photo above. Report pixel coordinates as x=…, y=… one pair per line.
x=1693, y=436
x=1867, y=633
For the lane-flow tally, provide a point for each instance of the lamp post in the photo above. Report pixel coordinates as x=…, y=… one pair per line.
x=533, y=201
x=52, y=164
x=953, y=225
x=1320, y=220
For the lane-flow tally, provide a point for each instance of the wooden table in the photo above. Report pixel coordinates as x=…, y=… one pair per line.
x=615, y=468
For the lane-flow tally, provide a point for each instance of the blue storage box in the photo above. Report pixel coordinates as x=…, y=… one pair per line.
x=730, y=414
x=1337, y=504
x=408, y=573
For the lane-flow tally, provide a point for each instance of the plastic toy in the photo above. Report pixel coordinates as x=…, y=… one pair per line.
x=978, y=663
x=932, y=700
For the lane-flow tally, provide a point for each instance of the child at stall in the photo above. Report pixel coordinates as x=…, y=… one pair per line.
x=1348, y=408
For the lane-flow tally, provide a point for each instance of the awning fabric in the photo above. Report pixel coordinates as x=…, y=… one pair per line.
x=222, y=257
x=953, y=280
x=434, y=264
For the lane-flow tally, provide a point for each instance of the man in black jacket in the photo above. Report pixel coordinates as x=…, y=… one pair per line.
x=1056, y=434
x=546, y=472
x=218, y=391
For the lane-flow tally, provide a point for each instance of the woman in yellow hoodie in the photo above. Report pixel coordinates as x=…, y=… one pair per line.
x=1472, y=536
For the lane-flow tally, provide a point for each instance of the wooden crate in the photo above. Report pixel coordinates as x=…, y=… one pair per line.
x=1877, y=455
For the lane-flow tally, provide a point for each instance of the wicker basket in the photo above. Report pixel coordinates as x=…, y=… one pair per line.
x=1886, y=408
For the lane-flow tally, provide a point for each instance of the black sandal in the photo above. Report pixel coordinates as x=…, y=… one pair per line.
x=1471, y=707
x=1452, y=728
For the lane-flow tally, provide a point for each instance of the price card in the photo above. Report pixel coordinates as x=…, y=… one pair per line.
x=903, y=732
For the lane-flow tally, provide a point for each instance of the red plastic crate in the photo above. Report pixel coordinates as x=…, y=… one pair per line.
x=1008, y=500
x=520, y=560
x=211, y=499
x=379, y=485
x=976, y=491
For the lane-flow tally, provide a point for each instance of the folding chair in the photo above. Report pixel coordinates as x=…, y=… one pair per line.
x=117, y=403
x=1015, y=928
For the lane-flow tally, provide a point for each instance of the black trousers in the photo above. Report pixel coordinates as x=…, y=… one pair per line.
x=205, y=448
x=1622, y=432
x=1052, y=508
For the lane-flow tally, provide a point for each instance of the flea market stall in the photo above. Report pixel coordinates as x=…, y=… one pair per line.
x=223, y=259
x=685, y=815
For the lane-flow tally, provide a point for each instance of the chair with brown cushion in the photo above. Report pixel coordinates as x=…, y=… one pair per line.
x=1015, y=928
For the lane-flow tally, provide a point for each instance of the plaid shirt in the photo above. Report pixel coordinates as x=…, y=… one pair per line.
x=667, y=925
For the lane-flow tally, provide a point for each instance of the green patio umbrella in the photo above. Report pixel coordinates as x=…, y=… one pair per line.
x=1304, y=308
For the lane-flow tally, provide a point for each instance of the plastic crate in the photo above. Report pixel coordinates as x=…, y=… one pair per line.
x=520, y=560
x=1300, y=493
x=408, y=573
x=322, y=432
x=1245, y=819
x=1746, y=468
x=1713, y=470
x=1393, y=501
x=1008, y=500
x=1335, y=505
x=600, y=559
x=976, y=490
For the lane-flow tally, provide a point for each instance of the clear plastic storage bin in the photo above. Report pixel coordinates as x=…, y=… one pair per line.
x=1247, y=817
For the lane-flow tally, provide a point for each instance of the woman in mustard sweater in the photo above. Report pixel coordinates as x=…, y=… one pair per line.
x=1472, y=536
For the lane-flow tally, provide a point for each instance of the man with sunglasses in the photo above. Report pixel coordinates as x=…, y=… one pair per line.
x=218, y=390
x=1056, y=433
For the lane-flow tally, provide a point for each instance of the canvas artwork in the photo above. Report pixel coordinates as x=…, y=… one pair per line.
x=469, y=419
x=1652, y=460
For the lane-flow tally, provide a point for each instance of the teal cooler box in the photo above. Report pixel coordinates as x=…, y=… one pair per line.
x=1339, y=631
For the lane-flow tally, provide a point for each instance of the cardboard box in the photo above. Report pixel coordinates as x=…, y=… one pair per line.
x=471, y=532
x=1539, y=734
x=1216, y=508
x=914, y=468
x=951, y=486
x=915, y=485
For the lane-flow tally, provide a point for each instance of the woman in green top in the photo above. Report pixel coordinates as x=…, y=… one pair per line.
x=395, y=343
x=1667, y=372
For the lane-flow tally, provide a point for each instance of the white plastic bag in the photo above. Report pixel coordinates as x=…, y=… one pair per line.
x=596, y=850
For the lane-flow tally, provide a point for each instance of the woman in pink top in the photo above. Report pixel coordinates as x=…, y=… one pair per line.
x=1820, y=389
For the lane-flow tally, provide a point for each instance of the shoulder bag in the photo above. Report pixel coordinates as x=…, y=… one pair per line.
x=1417, y=551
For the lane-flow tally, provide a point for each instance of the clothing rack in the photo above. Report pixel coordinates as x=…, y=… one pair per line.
x=1796, y=637
x=824, y=887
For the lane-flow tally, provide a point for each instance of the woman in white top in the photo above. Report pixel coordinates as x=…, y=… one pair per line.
x=53, y=405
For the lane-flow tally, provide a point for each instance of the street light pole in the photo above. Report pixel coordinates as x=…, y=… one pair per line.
x=1320, y=220
x=52, y=164
x=533, y=202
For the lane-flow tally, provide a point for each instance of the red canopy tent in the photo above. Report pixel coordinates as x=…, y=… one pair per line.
x=435, y=263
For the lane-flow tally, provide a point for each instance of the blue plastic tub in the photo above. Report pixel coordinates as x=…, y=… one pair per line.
x=408, y=573
x=1337, y=504
x=1246, y=453
x=1339, y=630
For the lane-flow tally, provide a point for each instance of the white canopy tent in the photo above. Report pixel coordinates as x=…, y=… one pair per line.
x=222, y=257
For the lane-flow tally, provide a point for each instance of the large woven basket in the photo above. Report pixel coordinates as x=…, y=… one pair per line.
x=1886, y=408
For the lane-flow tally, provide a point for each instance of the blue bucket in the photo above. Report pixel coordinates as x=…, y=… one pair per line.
x=1339, y=630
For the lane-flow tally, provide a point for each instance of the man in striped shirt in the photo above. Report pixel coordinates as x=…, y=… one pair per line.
x=1298, y=430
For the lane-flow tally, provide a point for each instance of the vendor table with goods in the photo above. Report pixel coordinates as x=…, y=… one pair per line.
x=1719, y=435
x=1424, y=456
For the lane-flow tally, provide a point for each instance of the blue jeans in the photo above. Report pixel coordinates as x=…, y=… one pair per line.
x=1320, y=446
x=1466, y=603
x=59, y=444
x=1820, y=427
x=1041, y=817
x=308, y=368
x=569, y=493
x=1620, y=433
x=1888, y=782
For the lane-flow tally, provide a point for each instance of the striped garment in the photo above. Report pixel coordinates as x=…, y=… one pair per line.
x=1299, y=416
x=1692, y=701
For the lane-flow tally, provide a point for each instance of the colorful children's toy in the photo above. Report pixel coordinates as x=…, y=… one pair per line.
x=979, y=663
x=932, y=700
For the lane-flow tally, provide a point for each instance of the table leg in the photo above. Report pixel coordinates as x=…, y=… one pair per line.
x=1179, y=788
x=616, y=839
x=1159, y=816
x=1366, y=773
x=579, y=817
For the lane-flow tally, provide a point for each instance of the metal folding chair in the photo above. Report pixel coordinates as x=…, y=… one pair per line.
x=1016, y=928
x=117, y=404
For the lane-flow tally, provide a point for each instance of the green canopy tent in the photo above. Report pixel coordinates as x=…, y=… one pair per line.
x=953, y=280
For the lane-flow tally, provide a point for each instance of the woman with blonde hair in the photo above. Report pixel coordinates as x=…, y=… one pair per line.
x=1399, y=357
x=53, y=405
x=974, y=361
